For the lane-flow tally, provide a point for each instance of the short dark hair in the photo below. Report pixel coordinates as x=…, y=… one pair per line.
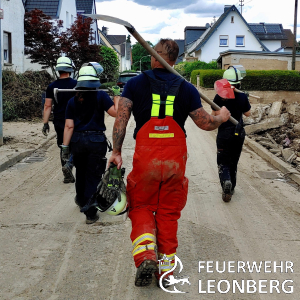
x=171, y=47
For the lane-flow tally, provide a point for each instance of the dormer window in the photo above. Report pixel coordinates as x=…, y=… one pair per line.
x=223, y=40
x=232, y=19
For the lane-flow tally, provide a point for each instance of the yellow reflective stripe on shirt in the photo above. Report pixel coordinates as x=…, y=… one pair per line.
x=155, y=105
x=142, y=238
x=161, y=135
x=142, y=248
x=170, y=106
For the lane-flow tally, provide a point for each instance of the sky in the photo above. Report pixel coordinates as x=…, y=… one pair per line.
x=155, y=19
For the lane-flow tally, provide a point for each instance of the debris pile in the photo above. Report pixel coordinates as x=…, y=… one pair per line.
x=276, y=126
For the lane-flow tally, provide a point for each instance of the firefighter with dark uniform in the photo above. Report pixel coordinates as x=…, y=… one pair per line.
x=157, y=187
x=230, y=137
x=84, y=131
x=64, y=67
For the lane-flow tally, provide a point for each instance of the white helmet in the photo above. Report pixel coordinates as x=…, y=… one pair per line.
x=65, y=64
x=89, y=76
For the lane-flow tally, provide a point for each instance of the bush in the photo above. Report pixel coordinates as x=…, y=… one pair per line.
x=270, y=80
x=106, y=85
x=185, y=68
x=22, y=94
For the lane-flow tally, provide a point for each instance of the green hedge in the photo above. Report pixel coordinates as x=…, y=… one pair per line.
x=271, y=80
x=185, y=68
x=105, y=85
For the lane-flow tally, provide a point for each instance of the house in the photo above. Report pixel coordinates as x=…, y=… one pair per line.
x=287, y=45
x=271, y=35
x=230, y=31
x=89, y=7
x=120, y=43
x=12, y=35
x=64, y=10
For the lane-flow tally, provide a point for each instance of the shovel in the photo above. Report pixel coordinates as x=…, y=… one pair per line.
x=226, y=91
x=152, y=52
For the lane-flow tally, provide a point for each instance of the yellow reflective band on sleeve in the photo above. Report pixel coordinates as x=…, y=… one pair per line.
x=170, y=106
x=142, y=248
x=142, y=238
x=161, y=135
x=155, y=105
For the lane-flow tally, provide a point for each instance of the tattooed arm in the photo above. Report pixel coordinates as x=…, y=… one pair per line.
x=209, y=122
x=119, y=130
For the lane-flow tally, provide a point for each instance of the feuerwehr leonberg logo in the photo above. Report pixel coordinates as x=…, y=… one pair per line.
x=170, y=278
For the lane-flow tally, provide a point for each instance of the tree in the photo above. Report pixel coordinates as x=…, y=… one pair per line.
x=110, y=63
x=138, y=51
x=76, y=43
x=41, y=39
x=44, y=43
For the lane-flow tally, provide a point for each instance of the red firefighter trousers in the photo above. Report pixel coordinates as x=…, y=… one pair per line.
x=157, y=188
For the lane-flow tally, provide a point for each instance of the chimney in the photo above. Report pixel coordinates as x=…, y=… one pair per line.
x=226, y=7
x=104, y=30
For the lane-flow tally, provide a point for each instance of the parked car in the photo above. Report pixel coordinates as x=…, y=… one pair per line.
x=124, y=77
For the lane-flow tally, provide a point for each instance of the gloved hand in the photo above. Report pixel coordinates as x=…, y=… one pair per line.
x=65, y=155
x=46, y=129
x=116, y=90
x=246, y=93
x=112, y=183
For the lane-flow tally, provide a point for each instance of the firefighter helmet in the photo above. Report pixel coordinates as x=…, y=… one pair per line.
x=64, y=64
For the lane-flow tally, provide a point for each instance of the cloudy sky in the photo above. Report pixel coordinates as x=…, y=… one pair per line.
x=154, y=19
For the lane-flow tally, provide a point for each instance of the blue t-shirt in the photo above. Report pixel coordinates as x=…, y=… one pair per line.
x=237, y=106
x=88, y=115
x=138, y=90
x=60, y=105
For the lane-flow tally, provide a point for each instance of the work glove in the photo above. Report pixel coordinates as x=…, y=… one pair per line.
x=65, y=153
x=246, y=93
x=116, y=90
x=46, y=129
x=112, y=183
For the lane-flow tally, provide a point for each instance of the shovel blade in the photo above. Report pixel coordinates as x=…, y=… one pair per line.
x=224, y=89
x=109, y=19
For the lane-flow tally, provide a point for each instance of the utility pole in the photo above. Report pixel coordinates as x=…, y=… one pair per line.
x=295, y=35
x=1, y=106
x=241, y=5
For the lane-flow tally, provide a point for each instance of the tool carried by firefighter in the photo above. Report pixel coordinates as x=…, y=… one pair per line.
x=151, y=51
x=110, y=196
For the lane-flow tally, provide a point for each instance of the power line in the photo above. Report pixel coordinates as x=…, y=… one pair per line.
x=241, y=5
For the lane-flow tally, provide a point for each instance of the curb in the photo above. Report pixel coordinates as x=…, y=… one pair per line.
x=273, y=160
x=19, y=156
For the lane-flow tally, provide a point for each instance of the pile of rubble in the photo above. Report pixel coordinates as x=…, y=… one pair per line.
x=276, y=126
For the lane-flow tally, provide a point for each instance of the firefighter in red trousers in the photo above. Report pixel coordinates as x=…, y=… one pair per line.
x=157, y=188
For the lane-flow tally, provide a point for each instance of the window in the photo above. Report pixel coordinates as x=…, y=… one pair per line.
x=232, y=19
x=72, y=19
x=223, y=40
x=240, y=41
x=7, y=47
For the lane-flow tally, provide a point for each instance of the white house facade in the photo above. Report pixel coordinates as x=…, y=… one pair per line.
x=12, y=35
x=230, y=31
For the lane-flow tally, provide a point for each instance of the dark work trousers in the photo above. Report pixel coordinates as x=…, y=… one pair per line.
x=89, y=150
x=59, y=126
x=229, y=151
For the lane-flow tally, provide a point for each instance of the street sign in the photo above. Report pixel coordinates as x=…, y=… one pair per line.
x=1, y=13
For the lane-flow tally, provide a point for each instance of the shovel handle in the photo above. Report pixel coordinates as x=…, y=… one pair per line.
x=250, y=95
x=170, y=69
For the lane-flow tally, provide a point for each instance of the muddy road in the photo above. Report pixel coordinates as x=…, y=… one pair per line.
x=48, y=252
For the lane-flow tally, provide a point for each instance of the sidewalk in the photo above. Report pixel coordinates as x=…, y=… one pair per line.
x=20, y=140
